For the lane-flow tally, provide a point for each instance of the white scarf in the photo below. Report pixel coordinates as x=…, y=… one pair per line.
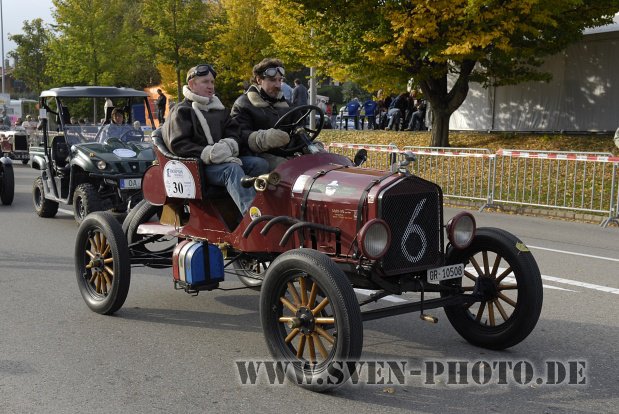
x=203, y=103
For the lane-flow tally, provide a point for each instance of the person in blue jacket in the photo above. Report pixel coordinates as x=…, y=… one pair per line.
x=353, y=112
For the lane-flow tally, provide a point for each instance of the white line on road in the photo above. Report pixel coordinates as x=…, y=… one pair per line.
x=581, y=284
x=574, y=253
x=69, y=212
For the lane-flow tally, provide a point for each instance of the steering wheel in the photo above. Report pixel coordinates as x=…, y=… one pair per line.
x=301, y=135
x=115, y=142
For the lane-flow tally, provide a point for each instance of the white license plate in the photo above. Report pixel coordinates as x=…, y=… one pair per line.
x=446, y=272
x=130, y=183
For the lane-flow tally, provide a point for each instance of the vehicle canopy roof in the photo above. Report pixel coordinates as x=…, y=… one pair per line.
x=92, y=92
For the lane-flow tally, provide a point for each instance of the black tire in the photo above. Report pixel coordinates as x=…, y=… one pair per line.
x=42, y=206
x=493, y=256
x=251, y=272
x=102, y=264
x=335, y=320
x=160, y=246
x=130, y=215
x=24, y=162
x=7, y=186
x=86, y=200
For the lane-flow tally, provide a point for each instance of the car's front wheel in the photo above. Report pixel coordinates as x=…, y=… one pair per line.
x=311, y=319
x=86, y=200
x=7, y=186
x=501, y=269
x=42, y=206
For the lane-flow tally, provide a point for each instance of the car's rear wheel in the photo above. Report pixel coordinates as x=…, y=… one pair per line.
x=251, y=272
x=7, y=186
x=311, y=319
x=156, y=246
x=502, y=269
x=42, y=206
x=86, y=200
x=102, y=264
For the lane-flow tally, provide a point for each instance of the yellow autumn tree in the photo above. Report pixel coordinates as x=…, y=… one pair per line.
x=441, y=44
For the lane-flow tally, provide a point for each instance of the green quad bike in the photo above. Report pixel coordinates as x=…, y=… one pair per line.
x=90, y=166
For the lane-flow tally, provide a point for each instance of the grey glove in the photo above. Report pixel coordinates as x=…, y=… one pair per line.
x=266, y=139
x=216, y=153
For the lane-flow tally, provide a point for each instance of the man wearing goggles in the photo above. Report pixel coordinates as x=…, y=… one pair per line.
x=200, y=127
x=259, y=108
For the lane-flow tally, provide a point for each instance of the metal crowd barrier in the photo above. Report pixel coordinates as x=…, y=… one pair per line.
x=585, y=182
x=462, y=173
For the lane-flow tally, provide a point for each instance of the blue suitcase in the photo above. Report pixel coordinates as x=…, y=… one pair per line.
x=197, y=265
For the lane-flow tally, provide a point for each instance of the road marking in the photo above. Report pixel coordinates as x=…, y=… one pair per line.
x=581, y=284
x=69, y=212
x=574, y=253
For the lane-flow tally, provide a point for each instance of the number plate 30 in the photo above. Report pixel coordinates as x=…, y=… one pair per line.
x=178, y=180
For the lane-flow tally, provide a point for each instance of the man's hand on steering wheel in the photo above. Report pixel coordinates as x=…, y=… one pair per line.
x=295, y=124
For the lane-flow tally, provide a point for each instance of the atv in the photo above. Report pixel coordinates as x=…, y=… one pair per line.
x=87, y=165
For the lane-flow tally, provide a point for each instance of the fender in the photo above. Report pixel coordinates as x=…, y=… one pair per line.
x=39, y=162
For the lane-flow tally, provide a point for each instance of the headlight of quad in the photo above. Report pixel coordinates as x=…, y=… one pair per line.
x=101, y=165
x=374, y=239
x=461, y=230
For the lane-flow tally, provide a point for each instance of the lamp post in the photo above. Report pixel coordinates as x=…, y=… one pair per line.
x=2, y=36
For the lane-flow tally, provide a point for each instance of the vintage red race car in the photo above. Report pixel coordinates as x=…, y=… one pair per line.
x=321, y=230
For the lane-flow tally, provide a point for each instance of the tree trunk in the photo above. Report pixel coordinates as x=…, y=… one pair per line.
x=443, y=103
x=440, y=129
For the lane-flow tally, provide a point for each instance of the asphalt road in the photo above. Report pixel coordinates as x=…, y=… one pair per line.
x=168, y=352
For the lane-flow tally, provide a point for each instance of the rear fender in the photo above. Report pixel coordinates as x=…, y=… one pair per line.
x=153, y=187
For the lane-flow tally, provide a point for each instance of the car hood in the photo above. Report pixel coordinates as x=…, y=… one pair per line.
x=142, y=151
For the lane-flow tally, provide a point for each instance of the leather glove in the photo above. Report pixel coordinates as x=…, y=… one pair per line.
x=266, y=139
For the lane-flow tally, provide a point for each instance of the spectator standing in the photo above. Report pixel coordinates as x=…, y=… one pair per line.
x=107, y=107
x=371, y=107
x=353, y=112
x=396, y=110
x=287, y=91
x=299, y=94
x=160, y=103
x=333, y=115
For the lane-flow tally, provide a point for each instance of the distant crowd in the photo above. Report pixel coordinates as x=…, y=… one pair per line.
x=403, y=112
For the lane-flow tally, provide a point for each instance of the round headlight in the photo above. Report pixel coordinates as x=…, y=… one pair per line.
x=461, y=230
x=101, y=164
x=374, y=239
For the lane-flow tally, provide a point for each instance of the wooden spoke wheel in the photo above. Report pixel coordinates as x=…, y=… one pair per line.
x=311, y=318
x=102, y=263
x=500, y=269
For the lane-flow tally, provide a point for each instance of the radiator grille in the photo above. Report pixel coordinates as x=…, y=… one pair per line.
x=21, y=143
x=413, y=208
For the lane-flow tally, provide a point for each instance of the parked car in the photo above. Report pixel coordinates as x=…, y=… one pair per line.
x=92, y=167
x=14, y=144
x=318, y=227
x=7, y=181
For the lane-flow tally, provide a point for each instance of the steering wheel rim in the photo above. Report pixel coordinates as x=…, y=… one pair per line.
x=301, y=135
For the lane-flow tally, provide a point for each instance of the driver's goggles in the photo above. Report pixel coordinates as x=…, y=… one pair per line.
x=271, y=72
x=202, y=70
